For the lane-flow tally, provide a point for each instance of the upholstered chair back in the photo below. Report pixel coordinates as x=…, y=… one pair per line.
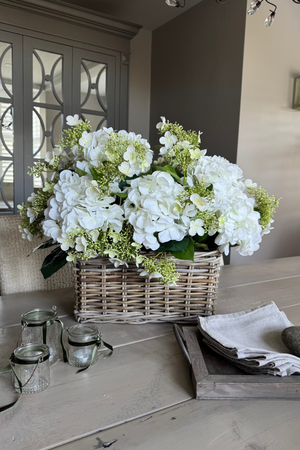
x=20, y=272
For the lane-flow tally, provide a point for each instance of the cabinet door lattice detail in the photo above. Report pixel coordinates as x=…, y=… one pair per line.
x=41, y=83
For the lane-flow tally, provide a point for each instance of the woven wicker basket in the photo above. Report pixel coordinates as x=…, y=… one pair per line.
x=108, y=294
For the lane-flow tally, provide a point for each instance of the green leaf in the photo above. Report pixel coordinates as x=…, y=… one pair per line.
x=172, y=172
x=175, y=246
x=80, y=172
x=188, y=253
x=210, y=187
x=198, y=238
x=94, y=173
x=155, y=169
x=121, y=194
x=45, y=244
x=53, y=262
x=123, y=184
x=202, y=246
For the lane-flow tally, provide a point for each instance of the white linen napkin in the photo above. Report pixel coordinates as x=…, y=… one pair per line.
x=252, y=339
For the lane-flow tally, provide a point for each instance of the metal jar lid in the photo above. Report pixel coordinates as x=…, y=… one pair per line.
x=37, y=317
x=30, y=354
x=83, y=334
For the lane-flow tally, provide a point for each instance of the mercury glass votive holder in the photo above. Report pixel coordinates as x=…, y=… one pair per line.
x=41, y=327
x=83, y=345
x=30, y=368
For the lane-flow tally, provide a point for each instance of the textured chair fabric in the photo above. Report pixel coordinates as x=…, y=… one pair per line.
x=21, y=273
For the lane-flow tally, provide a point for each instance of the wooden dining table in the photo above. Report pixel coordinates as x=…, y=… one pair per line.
x=142, y=397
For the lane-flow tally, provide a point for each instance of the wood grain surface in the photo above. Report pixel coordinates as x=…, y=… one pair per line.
x=206, y=425
x=143, y=396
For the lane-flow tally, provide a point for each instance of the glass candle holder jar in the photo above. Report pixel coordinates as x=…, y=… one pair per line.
x=84, y=341
x=42, y=327
x=30, y=367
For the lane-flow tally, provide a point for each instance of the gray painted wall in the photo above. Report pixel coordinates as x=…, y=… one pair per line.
x=197, y=72
x=269, y=132
x=140, y=83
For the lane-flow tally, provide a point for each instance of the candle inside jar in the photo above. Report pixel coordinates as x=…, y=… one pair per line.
x=83, y=355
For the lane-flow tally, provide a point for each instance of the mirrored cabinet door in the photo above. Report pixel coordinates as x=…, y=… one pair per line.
x=41, y=83
x=11, y=123
x=47, y=100
x=94, y=88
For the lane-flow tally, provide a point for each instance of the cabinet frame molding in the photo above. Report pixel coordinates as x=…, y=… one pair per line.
x=60, y=10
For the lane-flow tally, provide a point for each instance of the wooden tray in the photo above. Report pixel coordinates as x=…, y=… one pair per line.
x=216, y=378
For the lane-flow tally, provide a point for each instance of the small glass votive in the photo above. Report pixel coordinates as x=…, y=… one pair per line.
x=41, y=327
x=30, y=364
x=84, y=341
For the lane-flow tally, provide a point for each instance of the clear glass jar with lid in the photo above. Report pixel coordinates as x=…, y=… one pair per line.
x=42, y=327
x=84, y=341
x=30, y=368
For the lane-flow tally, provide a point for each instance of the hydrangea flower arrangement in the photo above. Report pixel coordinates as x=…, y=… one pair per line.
x=107, y=197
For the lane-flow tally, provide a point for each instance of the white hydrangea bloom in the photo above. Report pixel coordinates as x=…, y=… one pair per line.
x=81, y=244
x=168, y=140
x=93, y=144
x=199, y=202
x=71, y=258
x=240, y=225
x=32, y=197
x=94, y=235
x=117, y=262
x=52, y=229
x=151, y=207
x=134, y=163
x=268, y=228
x=48, y=187
x=26, y=234
x=185, y=145
x=144, y=273
x=127, y=169
x=130, y=154
x=195, y=153
x=96, y=151
x=161, y=125
x=51, y=154
x=32, y=214
x=73, y=120
x=196, y=227
x=76, y=205
x=249, y=183
x=238, y=222
x=65, y=241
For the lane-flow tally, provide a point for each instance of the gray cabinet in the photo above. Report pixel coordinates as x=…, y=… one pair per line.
x=45, y=77
x=41, y=83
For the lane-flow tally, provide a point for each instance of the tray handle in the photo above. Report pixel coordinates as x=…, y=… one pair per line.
x=181, y=341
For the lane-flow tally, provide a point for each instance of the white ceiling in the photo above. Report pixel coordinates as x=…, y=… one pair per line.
x=151, y=14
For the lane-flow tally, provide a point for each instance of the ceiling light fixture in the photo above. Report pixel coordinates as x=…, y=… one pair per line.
x=176, y=4
x=255, y=5
x=269, y=20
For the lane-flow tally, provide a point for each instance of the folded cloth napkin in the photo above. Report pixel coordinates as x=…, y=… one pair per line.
x=252, y=339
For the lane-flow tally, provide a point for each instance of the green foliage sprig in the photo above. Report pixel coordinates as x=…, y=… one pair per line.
x=266, y=205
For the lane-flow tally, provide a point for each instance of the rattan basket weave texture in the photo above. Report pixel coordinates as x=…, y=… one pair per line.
x=105, y=293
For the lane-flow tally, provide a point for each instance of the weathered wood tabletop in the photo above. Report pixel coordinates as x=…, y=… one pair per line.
x=142, y=397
